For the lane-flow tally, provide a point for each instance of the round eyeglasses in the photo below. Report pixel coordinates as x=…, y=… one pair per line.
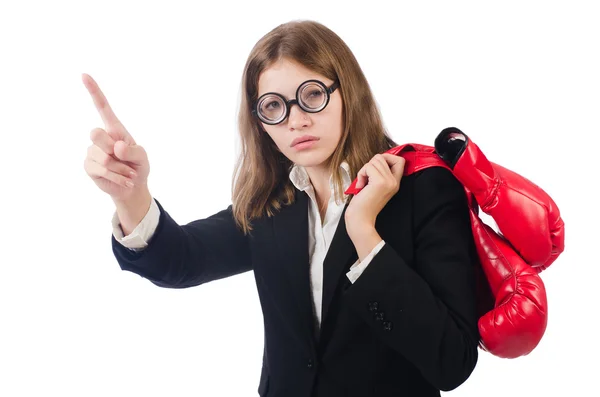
x=312, y=96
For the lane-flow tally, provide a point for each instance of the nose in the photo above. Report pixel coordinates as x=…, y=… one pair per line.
x=298, y=118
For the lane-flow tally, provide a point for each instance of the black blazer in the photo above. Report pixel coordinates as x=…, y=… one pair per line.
x=406, y=327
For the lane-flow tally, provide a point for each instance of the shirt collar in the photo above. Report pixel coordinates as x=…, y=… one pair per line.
x=300, y=179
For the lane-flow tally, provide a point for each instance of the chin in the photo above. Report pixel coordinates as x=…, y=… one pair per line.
x=309, y=159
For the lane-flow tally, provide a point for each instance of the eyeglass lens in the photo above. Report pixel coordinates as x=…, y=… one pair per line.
x=312, y=97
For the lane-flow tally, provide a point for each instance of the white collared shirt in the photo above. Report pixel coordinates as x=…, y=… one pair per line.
x=319, y=235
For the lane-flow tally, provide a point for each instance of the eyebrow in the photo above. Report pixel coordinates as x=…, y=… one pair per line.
x=279, y=92
x=296, y=88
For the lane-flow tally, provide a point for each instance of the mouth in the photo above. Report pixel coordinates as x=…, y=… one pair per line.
x=302, y=139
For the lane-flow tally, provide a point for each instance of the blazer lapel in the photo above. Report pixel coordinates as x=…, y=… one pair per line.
x=290, y=227
x=340, y=256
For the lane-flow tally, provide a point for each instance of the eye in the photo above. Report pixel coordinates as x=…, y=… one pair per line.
x=272, y=105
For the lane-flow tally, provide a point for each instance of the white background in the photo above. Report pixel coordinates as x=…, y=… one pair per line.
x=521, y=78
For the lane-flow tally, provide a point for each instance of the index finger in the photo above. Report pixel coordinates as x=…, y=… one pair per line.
x=108, y=116
x=394, y=161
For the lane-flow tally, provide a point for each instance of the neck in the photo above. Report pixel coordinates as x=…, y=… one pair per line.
x=319, y=177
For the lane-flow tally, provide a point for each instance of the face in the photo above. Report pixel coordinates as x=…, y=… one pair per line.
x=284, y=77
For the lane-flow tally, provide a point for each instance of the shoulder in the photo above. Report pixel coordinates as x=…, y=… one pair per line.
x=440, y=205
x=432, y=184
x=436, y=194
x=436, y=183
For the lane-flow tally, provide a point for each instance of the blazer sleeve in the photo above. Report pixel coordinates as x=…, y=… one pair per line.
x=189, y=255
x=428, y=312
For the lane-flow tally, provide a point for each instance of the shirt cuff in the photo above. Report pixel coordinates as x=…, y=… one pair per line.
x=359, y=267
x=141, y=235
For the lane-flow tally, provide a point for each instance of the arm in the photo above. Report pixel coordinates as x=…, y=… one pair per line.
x=428, y=313
x=184, y=256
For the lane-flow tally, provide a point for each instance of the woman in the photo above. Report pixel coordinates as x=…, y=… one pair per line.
x=370, y=295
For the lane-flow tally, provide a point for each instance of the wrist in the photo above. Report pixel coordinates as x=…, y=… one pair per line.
x=132, y=210
x=359, y=228
x=364, y=242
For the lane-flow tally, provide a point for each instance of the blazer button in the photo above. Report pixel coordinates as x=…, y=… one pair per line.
x=379, y=316
x=387, y=325
x=373, y=306
x=310, y=364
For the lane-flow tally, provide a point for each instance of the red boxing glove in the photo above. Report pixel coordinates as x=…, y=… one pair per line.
x=525, y=214
x=517, y=321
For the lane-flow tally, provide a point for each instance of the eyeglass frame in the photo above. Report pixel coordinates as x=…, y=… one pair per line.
x=288, y=104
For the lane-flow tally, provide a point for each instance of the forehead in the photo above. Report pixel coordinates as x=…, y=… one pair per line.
x=284, y=77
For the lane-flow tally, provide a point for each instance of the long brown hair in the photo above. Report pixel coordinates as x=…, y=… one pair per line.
x=261, y=184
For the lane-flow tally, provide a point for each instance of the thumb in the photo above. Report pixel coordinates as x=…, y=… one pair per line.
x=129, y=152
x=120, y=134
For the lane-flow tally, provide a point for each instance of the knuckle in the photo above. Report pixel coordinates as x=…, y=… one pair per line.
x=124, y=169
x=95, y=152
x=105, y=159
x=95, y=133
